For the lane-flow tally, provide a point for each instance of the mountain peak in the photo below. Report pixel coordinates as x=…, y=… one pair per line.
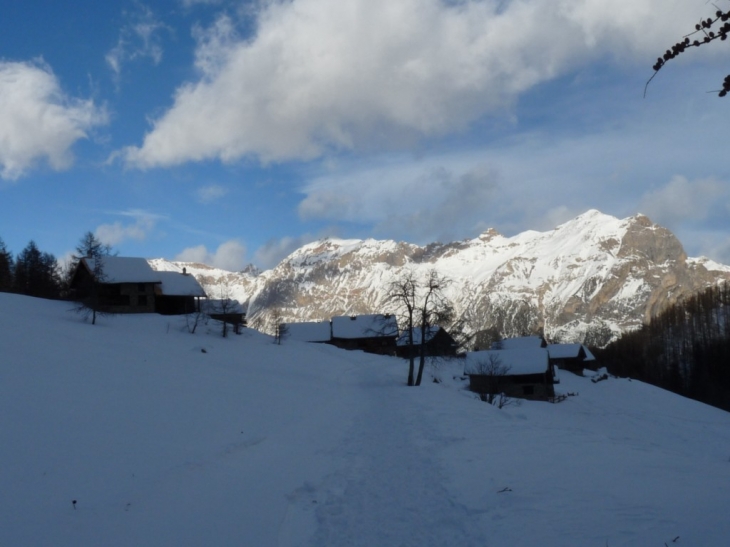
x=488, y=235
x=587, y=280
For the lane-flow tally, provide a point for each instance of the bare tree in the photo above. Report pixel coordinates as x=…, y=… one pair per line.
x=192, y=320
x=402, y=294
x=421, y=304
x=223, y=306
x=493, y=371
x=433, y=309
x=281, y=330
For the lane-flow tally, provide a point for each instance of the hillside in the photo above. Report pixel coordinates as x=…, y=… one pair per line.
x=587, y=280
x=166, y=438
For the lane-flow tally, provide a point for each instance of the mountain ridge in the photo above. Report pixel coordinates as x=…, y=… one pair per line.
x=587, y=280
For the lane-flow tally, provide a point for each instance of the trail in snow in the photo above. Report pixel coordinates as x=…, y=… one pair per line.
x=387, y=487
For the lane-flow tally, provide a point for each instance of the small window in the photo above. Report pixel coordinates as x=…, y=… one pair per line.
x=142, y=300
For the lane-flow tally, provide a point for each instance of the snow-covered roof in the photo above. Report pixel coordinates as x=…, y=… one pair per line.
x=430, y=333
x=521, y=342
x=364, y=326
x=124, y=269
x=177, y=284
x=311, y=331
x=518, y=361
x=564, y=351
x=569, y=351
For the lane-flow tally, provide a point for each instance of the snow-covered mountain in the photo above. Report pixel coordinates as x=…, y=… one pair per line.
x=586, y=280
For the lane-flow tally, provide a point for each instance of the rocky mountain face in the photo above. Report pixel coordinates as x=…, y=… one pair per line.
x=585, y=281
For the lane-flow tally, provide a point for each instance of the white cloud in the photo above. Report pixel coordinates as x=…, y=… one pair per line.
x=419, y=201
x=682, y=200
x=230, y=256
x=275, y=250
x=137, y=39
x=38, y=120
x=327, y=75
x=117, y=232
x=210, y=193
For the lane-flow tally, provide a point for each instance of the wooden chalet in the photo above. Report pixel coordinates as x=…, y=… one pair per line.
x=178, y=293
x=375, y=333
x=572, y=357
x=520, y=373
x=117, y=284
x=438, y=343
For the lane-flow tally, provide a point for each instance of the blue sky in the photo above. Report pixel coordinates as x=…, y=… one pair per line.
x=232, y=132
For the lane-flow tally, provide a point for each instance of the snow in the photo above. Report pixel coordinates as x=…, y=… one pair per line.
x=519, y=342
x=568, y=351
x=518, y=361
x=125, y=269
x=177, y=284
x=709, y=264
x=167, y=438
x=311, y=331
x=364, y=326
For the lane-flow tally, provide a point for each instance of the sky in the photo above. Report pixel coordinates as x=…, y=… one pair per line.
x=232, y=132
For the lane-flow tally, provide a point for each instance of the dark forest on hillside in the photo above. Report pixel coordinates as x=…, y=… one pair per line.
x=685, y=349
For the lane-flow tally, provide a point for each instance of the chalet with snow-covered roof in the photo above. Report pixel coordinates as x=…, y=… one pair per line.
x=177, y=293
x=438, y=343
x=375, y=333
x=524, y=373
x=571, y=357
x=118, y=284
x=308, y=331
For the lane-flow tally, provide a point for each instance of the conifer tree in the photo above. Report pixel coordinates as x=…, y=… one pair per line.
x=36, y=273
x=6, y=268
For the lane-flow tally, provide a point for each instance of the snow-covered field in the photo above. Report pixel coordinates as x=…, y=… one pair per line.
x=166, y=438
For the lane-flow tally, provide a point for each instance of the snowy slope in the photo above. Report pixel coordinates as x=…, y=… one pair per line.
x=250, y=443
x=586, y=281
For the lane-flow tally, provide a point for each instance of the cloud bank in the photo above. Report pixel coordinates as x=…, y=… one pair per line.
x=38, y=121
x=431, y=200
x=115, y=233
x=230, y=256
x=321, y=76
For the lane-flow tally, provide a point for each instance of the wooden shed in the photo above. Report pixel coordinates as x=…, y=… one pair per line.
x=571, y=357
x=438, y=343
x=177, y=293
x=375, y=333
x=520, y=373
